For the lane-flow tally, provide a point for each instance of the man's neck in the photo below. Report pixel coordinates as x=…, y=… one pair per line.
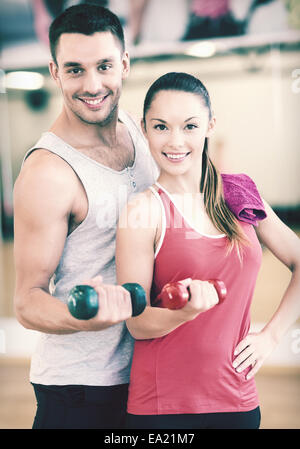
x=109, y=144
x=80, y=134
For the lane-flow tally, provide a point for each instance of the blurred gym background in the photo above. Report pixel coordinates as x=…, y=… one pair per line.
x=247, y=54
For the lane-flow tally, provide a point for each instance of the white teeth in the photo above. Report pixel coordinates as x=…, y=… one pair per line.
x=93, y=102
x=176, y=156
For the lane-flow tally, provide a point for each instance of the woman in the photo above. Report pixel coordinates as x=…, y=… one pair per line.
x=194, y=367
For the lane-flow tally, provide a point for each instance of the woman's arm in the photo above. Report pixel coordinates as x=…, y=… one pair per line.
x=134, y=263
x=135, y=249
x=285, y=245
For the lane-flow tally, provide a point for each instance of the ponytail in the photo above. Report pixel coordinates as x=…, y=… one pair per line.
x=216, y=208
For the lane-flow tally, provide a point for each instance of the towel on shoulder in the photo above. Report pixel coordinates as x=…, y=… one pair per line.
x=242, y=198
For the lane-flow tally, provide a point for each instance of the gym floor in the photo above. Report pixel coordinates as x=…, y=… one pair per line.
x=278, y=386
x=279, y=397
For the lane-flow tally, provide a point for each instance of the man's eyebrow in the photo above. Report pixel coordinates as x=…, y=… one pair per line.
x=72, y=64
x=78, y=64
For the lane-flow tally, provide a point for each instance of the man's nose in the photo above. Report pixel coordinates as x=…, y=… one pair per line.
x=92, y=84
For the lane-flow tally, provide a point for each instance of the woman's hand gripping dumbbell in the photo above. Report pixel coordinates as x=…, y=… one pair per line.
x=175, y=295
x=84, y=301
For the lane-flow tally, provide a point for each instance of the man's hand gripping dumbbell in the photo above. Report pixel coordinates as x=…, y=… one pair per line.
x=84, y=301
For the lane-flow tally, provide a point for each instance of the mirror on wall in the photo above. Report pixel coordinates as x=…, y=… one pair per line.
x=246, y=52
x=255, y=95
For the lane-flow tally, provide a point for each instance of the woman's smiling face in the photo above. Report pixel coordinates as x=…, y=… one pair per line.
x=176, y=125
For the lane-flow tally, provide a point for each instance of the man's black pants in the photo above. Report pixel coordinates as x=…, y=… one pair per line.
x=80, y=407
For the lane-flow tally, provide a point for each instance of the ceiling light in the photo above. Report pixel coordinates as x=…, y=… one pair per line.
x=202, y=49
x=24, y=80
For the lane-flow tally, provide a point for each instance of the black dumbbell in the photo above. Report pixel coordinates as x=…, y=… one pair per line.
x=83, y=301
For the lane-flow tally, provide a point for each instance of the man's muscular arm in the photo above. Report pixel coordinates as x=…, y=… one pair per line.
x=44, y=197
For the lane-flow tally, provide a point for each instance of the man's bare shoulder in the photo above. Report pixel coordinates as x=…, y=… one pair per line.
x=46, y=177
x=45, y=161
x=44, y=166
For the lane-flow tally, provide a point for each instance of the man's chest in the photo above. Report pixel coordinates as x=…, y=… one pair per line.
x=117, y=157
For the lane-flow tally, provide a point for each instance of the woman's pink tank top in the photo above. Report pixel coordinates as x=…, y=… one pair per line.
x=190, y=369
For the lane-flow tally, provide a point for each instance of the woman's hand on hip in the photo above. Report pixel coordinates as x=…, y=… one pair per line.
x=252, y=351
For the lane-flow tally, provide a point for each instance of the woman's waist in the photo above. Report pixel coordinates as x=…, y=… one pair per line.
x=185, y=348
x=200, y=368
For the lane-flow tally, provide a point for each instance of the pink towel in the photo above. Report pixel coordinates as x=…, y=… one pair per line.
x=210, y=8
x=242, y=198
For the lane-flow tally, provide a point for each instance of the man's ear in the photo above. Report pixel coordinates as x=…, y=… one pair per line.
x=53, y=69
x=211, y=126
x=125, y=65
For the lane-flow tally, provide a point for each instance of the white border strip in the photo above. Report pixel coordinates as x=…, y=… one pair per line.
x=210, y=236
x=164, y=220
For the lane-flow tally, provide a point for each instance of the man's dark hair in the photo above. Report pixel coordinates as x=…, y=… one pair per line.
x=85, y=19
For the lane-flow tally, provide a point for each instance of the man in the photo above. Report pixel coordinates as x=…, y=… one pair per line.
x=71, y=186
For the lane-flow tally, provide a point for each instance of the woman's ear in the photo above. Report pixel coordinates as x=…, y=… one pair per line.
x=211, y=126
x=143, y=126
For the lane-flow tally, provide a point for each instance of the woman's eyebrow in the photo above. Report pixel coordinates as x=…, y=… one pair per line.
x=190, y=118
x=159, y=119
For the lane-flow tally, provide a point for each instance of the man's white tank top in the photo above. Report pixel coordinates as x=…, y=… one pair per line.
x=103, y=357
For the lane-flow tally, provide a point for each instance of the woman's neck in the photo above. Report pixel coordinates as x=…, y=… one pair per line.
x=179, y=184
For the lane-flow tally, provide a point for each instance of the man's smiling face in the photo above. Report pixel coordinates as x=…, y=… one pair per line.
x=89, y=72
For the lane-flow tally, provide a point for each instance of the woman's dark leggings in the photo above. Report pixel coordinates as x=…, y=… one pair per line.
x=232, y=420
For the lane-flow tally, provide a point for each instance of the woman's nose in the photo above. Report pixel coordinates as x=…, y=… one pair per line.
x=176, y=140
